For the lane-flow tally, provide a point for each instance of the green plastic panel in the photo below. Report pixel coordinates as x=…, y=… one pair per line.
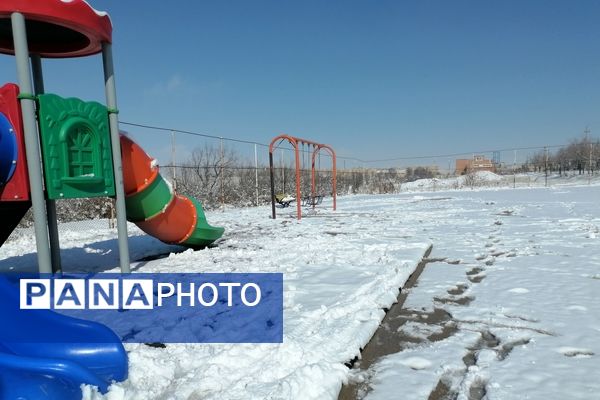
x=76, y=148
x=150, y=201
x=204, y=234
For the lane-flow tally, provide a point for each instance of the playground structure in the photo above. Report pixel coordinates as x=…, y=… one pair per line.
x=313, y=199
x=83, y=155
x=79, y=141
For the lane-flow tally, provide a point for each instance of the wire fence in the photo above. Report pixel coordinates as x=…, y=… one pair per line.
x=223, y=172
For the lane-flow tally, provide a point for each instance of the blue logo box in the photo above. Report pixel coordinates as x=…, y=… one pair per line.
x=147, y=308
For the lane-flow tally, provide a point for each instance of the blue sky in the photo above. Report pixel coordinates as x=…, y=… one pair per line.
x=375, y=79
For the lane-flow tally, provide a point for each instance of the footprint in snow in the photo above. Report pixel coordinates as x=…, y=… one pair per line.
x=519, y=290
x=575, y=352
x=416, y=363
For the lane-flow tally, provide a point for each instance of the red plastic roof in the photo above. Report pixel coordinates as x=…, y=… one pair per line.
x=57, y=28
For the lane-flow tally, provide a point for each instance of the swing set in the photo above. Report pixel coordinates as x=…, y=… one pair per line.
x=314, y=150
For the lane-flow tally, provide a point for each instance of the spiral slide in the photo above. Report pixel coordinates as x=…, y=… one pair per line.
x=156, y=209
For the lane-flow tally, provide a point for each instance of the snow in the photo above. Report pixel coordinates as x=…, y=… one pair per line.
x=478, y=178
x=528, y=267
x=416, y=362
x=516, y=270
x=98, y=13
x=483, y=179
x=340, y=272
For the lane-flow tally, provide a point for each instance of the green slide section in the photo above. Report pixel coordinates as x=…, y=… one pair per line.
x=204, y=234
x=149, y=202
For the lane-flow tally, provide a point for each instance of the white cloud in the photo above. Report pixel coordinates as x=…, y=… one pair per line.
x=174, y=83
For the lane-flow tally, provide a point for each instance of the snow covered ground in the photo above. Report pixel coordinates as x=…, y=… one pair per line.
x=487, y=179
x=340, y=271
x=517, y=276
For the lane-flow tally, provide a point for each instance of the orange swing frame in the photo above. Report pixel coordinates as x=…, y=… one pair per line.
x=295, y=142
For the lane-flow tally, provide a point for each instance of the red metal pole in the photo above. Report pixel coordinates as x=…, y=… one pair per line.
x=312, y=181
x=334, y=180
x=298, y=193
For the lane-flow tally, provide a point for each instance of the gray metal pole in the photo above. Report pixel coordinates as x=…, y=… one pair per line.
x=32, y=144
x=173, y=170
x=256, y=172
x=111, y=102
x=221, y=178
x=545, y=167
x=515, y=171
x=271, y=173
x=283, y=171
x=38, y=87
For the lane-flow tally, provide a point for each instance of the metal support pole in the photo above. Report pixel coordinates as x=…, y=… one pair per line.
x=515, y=171
x=38, y=87
x=312, y=176
x=298, y=187
x=32, y=144
x=221, y=178
x=111, y=102
x=283, y=170
x=334, y=179
x=256, y=172
x=591, y=168
x=545, y=167
x=173, y=170
x=272, y=185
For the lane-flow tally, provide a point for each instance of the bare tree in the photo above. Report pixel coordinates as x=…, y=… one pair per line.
x=204, y=175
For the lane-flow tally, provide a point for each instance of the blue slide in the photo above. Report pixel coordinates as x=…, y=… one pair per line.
x=46, y=355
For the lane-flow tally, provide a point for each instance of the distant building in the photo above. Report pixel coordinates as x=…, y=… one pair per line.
x=477, y=163
x=435, y=169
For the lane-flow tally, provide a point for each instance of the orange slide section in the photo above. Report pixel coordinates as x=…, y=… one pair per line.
x=153, y=205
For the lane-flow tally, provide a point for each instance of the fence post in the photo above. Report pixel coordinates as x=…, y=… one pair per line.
x=111, y=221
x=272, y=183
x=283, y=170
x=256, y=172
x=173, y=170
x=221, y=176
x=546, y=167
x=515, y=171
x=591, y=168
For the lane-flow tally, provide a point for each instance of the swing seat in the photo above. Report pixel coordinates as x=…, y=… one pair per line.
x=284, y=200
x=312, y=201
